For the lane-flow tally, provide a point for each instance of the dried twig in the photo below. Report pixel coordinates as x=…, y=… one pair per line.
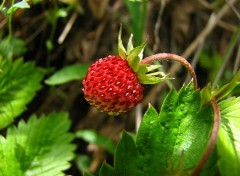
x=212, y=22
x=67, y=28
x=158, y=26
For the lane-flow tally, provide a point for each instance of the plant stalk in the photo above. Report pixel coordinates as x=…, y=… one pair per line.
x=212, y=141
x=172, y=57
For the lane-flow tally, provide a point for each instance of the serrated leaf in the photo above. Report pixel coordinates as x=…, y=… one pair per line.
x=93, y=137
x=40, y=147
x=149, y=144
x=175, y=139
x=19, y=82
x=228, y=143
x=148, y=79
x=126, y=157
x=19, y=5
x=186, y=126
x=107, y=170
x=67, y=74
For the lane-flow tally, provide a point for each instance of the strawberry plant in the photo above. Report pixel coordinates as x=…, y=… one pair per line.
x=194, y=132
x=187, y=136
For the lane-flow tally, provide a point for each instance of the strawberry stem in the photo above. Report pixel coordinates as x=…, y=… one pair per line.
x=174, y=57
x=212, y=141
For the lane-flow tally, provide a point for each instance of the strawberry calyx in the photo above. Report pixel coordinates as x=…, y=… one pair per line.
x=146, y=73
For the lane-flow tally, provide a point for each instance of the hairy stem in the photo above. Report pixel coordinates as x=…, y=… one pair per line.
x=212, y=140
x=173, y=57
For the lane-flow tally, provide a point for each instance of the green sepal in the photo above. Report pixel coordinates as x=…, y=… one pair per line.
x=142, y=69
x=134, y=63
x=130, y=44
x=153, y=67
x=148, y=79
x=133, y=56
x=136, y=52
x=158, y=73
x=121, y=50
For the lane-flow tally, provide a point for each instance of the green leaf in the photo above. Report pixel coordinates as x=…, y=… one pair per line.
x=68, y=73
x=148, y=79
x=186, y=126
x=149, y=144
x=206, y=95
x=19, y=5
x=19, y=82
x=169, y=143
x=40, y=147
x=176, y=139
x=83, y=162
x=228, y=143
x=12, y=47
x=93, y=137
x=227, y=88
x=126, y=157
x=107, y=170
x=138, y=11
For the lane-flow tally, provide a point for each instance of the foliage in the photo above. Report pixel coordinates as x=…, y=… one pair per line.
x=12, y=47
x=169, y=142
x=93, y=137
x=39, y=147
x=68, y=73
x=19, y=82
x=174, y=139
x=229, y=137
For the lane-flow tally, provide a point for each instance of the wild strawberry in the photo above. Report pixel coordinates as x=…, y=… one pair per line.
x=114, y=84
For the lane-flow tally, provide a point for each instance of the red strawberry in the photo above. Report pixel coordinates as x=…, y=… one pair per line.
x=112, y=86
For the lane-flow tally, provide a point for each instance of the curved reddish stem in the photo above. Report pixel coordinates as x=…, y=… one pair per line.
x=212, y=140
x=173, y=57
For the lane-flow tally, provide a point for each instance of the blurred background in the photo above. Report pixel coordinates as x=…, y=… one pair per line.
x=58, y=33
